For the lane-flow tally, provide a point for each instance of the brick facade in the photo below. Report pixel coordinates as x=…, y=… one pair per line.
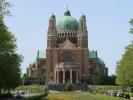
x=67, y=54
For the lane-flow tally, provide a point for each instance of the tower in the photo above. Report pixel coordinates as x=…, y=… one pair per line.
x=83, y=45
x=51, y=39
x=82, y=33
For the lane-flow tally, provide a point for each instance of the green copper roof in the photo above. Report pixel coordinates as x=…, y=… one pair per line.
x=67, y=13
x=100, y=61
x=34, y=61
x=41, y=54
x=67, y=22
x=92, y=54
x=52, y=16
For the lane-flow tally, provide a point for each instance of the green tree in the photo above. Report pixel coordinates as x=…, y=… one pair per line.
x=107, y=80
x=131, y=23
x=4, y=5
x=124, y=68
x=9, y=59
x=94, y=79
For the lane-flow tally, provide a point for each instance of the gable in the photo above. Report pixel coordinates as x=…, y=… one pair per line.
x=67, y=45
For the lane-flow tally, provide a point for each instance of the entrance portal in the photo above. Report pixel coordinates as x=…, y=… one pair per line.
x=67, y=76
x=60, y=76
x=74, y=77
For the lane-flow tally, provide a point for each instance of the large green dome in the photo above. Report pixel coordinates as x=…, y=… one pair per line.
x=67, y=22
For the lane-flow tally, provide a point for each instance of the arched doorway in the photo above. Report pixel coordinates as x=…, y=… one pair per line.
x=67, y=76
x=74, y=77
x=60, y=76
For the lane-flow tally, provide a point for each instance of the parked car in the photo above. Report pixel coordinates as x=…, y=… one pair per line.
x=114, y=93
x=120, y=94
x=19, y=93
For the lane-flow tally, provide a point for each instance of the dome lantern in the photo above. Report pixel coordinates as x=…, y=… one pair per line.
x=67, y=22
x=67, y=13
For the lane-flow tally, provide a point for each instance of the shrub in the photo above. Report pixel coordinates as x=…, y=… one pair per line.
x=68, y=86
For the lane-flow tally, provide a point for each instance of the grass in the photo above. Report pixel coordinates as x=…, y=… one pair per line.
x=81, y=96
x=105, y=97
x=70, y=95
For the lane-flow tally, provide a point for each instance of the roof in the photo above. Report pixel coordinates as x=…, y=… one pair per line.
x=93, y=54
x=41, y=54
x=33, y=61
x=67, y=22
x=52, y=16
x=100, y=61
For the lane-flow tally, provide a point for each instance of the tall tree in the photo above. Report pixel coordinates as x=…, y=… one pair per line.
x=124, y=68
x=9, y=59
x=4, y=5
x=131, y=23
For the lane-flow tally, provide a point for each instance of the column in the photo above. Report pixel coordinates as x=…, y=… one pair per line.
x=77, y=76
x=63, y=76
x=70, y=75
x=57, y=77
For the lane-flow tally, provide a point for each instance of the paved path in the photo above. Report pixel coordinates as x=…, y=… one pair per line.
x=30, y=94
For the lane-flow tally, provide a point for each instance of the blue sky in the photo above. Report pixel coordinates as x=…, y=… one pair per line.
x=107, y=21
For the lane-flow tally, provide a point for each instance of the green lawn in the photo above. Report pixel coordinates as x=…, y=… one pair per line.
x=70, y=95
x=80, y=96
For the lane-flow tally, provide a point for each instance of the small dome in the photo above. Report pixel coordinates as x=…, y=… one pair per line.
x=67, y=22
x=67, y=13
x=100, y=61
x=82, y=17
x=52, y=16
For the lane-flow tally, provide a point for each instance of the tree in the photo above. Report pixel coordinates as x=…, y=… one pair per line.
x=124, y=68
x=108, y=80
x=94, y=79
x=9, y=59
x=4, y=5
x=131, y=23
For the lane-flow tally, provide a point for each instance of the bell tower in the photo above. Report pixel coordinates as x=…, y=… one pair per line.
x=51, y=39
x=51, y=44
x=82, y=33
x=82, y=36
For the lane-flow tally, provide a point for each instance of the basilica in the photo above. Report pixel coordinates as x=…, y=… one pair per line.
x=67, y=56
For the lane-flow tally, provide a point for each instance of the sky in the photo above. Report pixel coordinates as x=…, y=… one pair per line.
x=107, y=23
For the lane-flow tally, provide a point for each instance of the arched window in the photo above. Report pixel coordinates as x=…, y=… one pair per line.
x=67, y=57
